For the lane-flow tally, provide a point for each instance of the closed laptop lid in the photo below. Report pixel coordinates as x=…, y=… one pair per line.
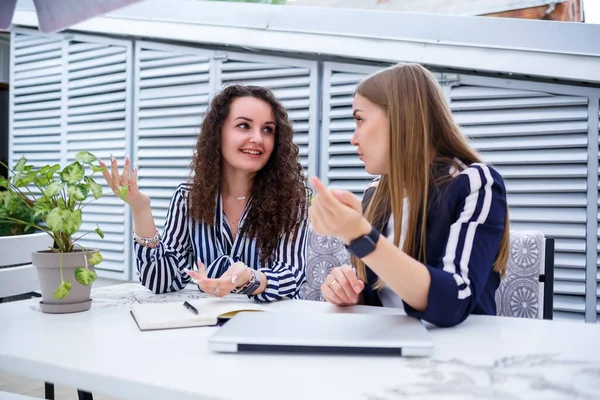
x=323, y=332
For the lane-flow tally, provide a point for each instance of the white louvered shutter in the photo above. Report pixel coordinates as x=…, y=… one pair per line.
x=35, y=98
x=340, y=166
x=293, y=82
x=72, y=95
x=172, y=93
x=98, y=105
x=538, y=142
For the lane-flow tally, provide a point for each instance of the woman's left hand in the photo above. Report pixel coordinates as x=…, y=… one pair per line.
x=337, y=213
x=237, y=275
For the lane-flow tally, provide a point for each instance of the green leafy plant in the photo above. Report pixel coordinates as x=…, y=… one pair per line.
x=56, y=207
x=13, y=206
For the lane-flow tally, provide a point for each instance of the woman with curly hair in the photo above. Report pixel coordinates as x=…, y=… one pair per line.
x=242, y=216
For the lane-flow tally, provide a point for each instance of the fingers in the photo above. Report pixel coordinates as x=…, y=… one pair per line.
x=116, y=181
x=318, y=220
x=133, y=185
x=235, y=273
x=342, y=287
x=216, y=287
x=196, y=277
x=348, y=199
x=225, y=280
x=106, y=175
x=125, y=176
x=114, y=173
x=356, y=284
x=201, y=269
x=336, y=287
x=207, y=285
x=330, y=295
x=323, y=195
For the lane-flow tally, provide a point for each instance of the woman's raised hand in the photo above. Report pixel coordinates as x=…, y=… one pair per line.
x=125, y=186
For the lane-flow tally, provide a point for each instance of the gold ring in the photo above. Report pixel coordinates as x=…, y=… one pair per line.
x=332, y=282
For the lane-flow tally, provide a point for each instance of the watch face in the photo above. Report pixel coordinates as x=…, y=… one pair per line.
x=364, y=245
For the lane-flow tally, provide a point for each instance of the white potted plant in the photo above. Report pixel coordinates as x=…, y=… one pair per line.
x=66, y=270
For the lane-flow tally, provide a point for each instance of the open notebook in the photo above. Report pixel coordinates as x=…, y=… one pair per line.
x=152, y=316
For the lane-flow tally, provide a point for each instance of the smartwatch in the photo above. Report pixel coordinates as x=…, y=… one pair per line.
x=250, y=286
x=364, y=245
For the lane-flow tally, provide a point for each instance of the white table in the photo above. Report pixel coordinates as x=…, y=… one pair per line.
x=103, y=351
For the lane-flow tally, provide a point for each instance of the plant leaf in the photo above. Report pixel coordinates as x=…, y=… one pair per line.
x=97, y=168
x=123, y=190
x=24, y=180
x=72, y=173
x=62, y=204
x=20, y=167
x=41, y=180
x=93, y=187
x=63, y=290
x=72, y=221
x=41, y=208
x=54, y=219
x=85, y=157
x=95, y=259
x=99, y=232
x=53, y=189
x=27, y=227
x=52, y=171
x=78, y=192
x=85, y=276
x=3, y=182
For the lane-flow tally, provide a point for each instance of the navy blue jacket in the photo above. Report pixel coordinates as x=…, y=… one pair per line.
x=465, y=224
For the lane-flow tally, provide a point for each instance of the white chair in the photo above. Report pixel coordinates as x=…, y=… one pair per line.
x=17, y=275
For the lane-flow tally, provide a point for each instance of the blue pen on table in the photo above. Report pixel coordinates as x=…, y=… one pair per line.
x=190, y=307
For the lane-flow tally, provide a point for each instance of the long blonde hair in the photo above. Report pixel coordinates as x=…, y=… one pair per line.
x=422, y=132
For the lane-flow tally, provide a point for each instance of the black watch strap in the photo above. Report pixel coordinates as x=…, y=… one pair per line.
x=252, y=285
x=364, y=245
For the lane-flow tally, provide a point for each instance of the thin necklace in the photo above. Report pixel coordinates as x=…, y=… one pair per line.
x=240, y=198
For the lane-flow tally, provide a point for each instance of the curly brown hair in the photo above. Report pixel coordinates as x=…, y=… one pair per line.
x=278, y=189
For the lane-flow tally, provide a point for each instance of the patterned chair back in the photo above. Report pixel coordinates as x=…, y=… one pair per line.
x=525, y=291
x=324, y=253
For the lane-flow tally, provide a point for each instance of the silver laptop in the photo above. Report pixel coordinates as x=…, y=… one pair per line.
x=282, y=332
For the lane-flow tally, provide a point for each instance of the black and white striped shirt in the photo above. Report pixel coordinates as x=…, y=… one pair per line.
x=185, y=240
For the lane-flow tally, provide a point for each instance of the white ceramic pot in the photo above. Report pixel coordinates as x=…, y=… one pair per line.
x=48, y=268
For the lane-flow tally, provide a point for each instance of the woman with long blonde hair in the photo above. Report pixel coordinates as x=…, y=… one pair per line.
x=444, y=212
